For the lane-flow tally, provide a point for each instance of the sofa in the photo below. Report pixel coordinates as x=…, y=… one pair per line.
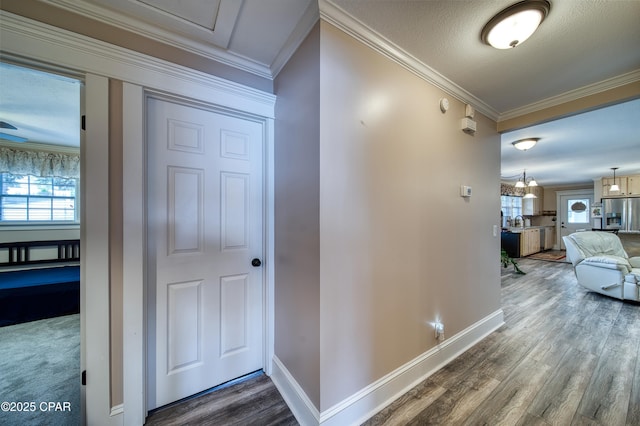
x=601, y=264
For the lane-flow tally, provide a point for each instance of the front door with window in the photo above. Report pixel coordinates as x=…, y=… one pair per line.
x=205, y=228
x=574, y=210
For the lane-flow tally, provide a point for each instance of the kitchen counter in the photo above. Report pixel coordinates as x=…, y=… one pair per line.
x=519, y=229
x=520, y=242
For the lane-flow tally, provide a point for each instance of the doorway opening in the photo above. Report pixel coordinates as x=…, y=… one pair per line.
x=40, y=286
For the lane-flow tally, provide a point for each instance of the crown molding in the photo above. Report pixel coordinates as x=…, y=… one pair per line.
x=295, y=39
x=573, y=95
x=173, y=39
x=95, y=56
x=336, y=16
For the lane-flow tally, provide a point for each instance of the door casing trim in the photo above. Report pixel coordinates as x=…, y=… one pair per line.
x=134, y=268
x=35, y=41
x=267, y=285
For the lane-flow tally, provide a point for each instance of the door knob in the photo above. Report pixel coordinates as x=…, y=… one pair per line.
x=256, y=262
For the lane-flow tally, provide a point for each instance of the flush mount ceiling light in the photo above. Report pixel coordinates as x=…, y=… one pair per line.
x=515, y=24
x=614, y=187
x=525, y=144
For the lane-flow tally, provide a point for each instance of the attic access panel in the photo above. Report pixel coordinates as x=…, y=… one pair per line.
x=203, y=21
x=200, y=12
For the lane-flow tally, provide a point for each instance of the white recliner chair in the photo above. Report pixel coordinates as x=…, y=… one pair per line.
x=601, y=264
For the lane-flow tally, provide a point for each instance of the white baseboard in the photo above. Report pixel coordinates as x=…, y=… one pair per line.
x=299, y=403
x=362, y=405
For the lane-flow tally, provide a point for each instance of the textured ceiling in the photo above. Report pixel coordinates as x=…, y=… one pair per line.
x=44, y=107
x=581, y=42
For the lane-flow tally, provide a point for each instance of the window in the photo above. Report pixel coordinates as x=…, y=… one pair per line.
x=37, y=199
x=511, y=206
x=578, y=210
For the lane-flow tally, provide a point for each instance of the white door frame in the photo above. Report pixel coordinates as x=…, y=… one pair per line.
x=569, y=193
x=134, y=266
x=34, y=41
x=150, y=302
x=28, y=43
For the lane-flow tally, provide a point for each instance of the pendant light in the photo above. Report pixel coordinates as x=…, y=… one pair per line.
x=614, y=187
x=513, y=25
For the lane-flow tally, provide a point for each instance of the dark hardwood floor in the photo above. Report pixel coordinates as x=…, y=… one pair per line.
x=251, y=401
x=564, y=357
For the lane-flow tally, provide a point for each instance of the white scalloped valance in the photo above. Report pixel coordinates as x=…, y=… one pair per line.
x=39, y=163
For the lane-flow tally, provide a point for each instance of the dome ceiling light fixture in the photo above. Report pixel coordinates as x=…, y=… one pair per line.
x=513, y=25
x=525, y=144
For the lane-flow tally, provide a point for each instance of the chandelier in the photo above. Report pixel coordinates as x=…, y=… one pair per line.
x=525, y=182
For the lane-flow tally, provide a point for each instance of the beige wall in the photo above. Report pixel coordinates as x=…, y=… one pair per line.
x=373, y=241
x=297, y=233
x=587, y=103
x=399, y=247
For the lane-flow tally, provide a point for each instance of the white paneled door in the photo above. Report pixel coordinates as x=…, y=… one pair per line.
x=205, y=246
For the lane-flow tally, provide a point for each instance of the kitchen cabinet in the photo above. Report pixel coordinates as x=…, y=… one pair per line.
x=633, y=185
x=607, y=182
x=549, y=237
x=533, y=206
x=529, y=241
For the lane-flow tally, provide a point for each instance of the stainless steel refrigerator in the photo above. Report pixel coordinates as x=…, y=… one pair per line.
x=622, y=214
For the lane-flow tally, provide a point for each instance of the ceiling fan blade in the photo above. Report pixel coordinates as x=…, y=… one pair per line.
x=12, y=138
x=5, y=125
